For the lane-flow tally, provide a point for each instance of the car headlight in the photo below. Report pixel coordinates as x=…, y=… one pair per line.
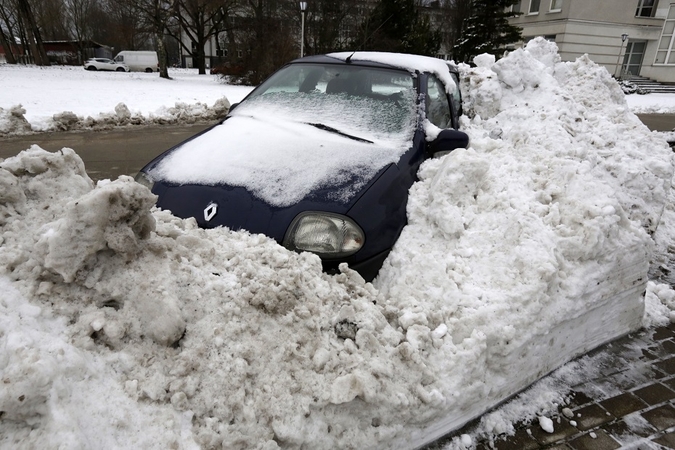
x=326, y=234
x=144, y=179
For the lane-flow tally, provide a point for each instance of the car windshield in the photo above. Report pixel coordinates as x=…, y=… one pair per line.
x=364, y=103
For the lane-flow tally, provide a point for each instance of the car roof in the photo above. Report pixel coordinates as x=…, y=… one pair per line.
x=326, y=59
x=400, y=61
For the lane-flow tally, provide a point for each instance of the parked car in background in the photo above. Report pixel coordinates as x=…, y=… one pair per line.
x=105, y=64
x=139, y=61
x=320, y=156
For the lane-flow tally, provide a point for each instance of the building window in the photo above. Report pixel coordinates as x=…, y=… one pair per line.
x=632, y=60
x=556, y=5
x=516, y=7
x=665, y=54
x=646, y=8
x=534, y=7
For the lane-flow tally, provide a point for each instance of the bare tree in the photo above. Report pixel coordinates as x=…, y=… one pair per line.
x=398, y=26
x=455, y=13
x=263, y=36
x=200, y=20
x=8, y=28
x=78, y=14
x=8, y=50
x=156, y=17
x=29, y=32
x=50, y=16
x=124, y=27
x=487, y=29
x=332, y=25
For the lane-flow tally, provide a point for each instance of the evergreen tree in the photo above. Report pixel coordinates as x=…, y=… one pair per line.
x=487, y=29
x=397, y=26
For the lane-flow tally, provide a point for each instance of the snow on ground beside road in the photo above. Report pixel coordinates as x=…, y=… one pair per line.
x=651, y=103
x=224, y=339
x=69, y=97
x=654, y=104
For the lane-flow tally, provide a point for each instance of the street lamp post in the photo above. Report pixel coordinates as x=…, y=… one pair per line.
x=618, y=59
x=303, y=7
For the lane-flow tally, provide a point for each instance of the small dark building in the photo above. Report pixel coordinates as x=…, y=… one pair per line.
x=64, y=52
x=70, y=53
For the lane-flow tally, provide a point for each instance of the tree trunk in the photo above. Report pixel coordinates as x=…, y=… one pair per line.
x=33, y=34
x=161, y=54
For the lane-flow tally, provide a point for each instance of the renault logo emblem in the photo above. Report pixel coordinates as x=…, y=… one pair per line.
x=210, y=211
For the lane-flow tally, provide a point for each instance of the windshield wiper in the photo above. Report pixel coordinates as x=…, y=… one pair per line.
x=322, y=126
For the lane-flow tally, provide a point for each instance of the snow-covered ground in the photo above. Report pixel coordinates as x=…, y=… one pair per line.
x=651, y=103
x=125, y=327
x=34, y=99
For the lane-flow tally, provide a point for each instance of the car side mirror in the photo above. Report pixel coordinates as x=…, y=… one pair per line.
x=447, y=141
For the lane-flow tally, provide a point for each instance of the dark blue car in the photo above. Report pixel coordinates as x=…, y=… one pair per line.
x=320, y=156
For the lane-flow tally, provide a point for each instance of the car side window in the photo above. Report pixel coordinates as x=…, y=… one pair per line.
x=455, y=95
x=438, y=107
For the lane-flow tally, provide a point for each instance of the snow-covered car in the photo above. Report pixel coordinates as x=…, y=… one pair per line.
x=105, y=64
x=320, y=156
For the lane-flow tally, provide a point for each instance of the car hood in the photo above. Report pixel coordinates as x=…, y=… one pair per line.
x=279, y=161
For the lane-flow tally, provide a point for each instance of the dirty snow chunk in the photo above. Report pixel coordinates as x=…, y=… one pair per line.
x=484, y=60
x=659, y=304
x=113, y=217
x=546, y=424
x=12, y=121
x=122, y=112
x=568, y=413
x=221, y=107
x=55, y=394
x=66, y=121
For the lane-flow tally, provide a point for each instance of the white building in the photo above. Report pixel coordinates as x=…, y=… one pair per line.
x=628, y=37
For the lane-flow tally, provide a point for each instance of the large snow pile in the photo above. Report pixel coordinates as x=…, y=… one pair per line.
x=125, y=327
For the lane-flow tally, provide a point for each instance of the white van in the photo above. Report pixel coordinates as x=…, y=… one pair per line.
x=139, y=61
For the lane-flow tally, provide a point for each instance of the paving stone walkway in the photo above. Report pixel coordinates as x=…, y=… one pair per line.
x=630, y=405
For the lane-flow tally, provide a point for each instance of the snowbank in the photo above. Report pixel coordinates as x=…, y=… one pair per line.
x=652, y=103
x=522, y=251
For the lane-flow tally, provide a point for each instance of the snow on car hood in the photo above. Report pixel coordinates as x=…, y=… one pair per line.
x=282, y=160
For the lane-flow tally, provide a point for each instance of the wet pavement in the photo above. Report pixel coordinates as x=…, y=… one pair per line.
x=107, y=153
x=629, y=404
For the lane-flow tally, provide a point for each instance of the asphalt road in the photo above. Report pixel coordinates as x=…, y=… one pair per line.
x=107, y=153
x=123, y=151
x=658, y=122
